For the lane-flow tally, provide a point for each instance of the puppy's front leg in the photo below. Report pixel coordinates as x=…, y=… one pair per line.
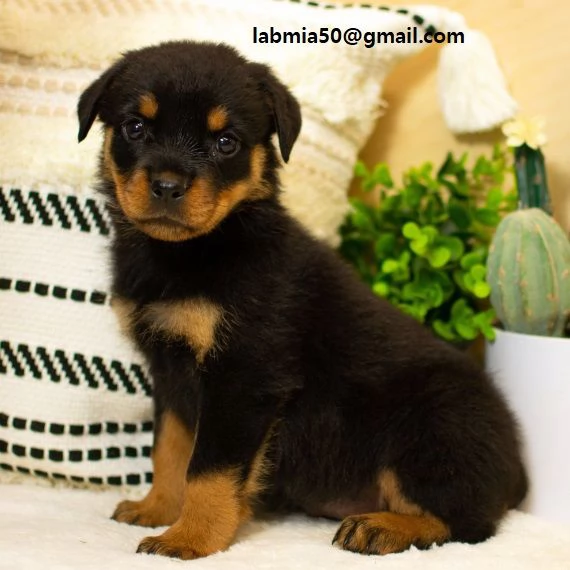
x=222, y=477
x=170, y=457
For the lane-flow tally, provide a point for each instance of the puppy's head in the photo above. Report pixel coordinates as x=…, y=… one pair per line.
x=188, y=135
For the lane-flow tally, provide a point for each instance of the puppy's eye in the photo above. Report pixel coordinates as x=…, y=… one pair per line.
x=133, y=130
x=227, y=144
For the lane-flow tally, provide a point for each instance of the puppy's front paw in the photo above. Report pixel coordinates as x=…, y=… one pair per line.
x=147, y=512
x=188, y=541
x=170, y=543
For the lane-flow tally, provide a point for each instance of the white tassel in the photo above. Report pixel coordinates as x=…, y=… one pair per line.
x=472, y=87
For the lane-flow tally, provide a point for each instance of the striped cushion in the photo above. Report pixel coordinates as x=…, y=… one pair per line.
x=74, y=395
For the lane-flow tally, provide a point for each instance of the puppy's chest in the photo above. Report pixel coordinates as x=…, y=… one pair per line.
x=198, y=322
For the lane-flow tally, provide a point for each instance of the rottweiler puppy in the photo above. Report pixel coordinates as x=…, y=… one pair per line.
x=280, y=381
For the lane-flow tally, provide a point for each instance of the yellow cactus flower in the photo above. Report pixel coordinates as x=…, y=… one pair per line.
x=525, y=130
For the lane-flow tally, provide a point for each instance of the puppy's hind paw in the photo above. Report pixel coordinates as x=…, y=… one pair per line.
x=385, y=532
x=356, y=535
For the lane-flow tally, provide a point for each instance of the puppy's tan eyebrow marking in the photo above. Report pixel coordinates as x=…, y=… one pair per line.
x=148, y=105
x=218, y=118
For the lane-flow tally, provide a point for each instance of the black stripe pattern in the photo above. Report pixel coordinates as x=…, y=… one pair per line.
x=77, y=430
x=419, y=20
x=66, y=212
x=74, y=455
x=73, y=368
x=57, y=291
x=113, y=480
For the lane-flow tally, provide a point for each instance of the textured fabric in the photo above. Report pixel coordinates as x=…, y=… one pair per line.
x=66, y=530
x=74, y=395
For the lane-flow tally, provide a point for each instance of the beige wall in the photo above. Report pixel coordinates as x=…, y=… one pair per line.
x=532, y=42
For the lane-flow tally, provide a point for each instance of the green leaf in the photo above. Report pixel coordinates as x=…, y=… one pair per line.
x=484, y=321
x=390, y=266
x=460, y=309
x=453, y=176
x=488, y=332
x=362, y=215
x=459, y=189
x=426, y=277
x=482, y=167
x=468, y=282
x=459, y=278
x=405, y=258
x=494, y=198
x=420, y=245
x=435, y=296
x=478, y=272
x=439, y=256
x=510, y=200
x=381, y=288
x=412, y=291
x=417, y=310
x=472, y=258
x=385, y=245
x=430, y=232
x=444, y=330
x=413, y=196
x=382, y=176
x=360, y=170
x=481, y=289
x=467, y=330
x=391, y=203
x=453, y=244
x=445, y=283
x=362, y=221
x=411, y=230
x=448, y=166
x=402, y=275
x=368, y=185
x=462, y=320
x=487, y=217
x=459, y=214
x=435, y=211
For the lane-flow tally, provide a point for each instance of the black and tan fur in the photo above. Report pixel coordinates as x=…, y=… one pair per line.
x=280, y=381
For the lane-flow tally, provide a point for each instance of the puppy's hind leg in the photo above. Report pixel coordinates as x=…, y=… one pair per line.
x=401, y=525
x=170, y=457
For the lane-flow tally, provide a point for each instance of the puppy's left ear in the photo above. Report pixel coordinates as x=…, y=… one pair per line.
x=88, y=106
x=285, y=108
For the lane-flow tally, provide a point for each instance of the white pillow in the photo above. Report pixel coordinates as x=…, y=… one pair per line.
x=74, y=396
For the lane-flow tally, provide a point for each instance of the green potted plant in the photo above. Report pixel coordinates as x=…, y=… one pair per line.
x=529, y=277
x=423, y=244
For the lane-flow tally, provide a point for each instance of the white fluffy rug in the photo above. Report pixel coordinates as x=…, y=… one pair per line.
x=50, y=528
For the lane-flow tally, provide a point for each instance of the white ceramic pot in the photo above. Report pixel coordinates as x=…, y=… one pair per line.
x=534, y=374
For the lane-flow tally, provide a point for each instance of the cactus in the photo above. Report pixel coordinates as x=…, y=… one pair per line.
x=528, y=270
x=530, y=175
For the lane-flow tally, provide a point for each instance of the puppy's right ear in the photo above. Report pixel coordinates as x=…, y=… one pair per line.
x=88, y=106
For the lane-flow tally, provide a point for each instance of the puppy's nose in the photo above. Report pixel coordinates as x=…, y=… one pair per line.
x=167, y=189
